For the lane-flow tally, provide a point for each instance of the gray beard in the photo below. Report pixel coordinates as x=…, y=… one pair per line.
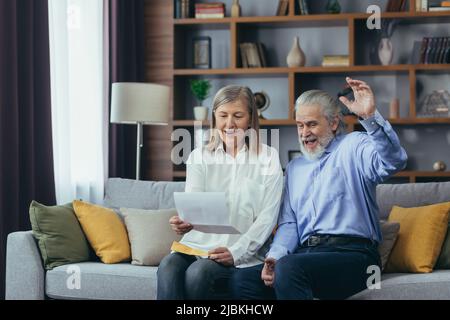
x=320, y=149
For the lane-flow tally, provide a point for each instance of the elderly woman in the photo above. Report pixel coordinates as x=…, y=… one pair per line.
x=249, y=173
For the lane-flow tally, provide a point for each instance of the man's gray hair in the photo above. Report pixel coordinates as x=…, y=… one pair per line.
x=330, y=106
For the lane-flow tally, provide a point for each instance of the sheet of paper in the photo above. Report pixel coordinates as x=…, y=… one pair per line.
x=206, y=211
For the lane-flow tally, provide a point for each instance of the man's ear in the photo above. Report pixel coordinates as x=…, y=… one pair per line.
x=335, y=124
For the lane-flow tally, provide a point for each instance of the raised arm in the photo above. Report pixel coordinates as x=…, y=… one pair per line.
x=379, y=154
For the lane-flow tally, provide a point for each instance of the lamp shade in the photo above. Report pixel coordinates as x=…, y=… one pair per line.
x=146, y=103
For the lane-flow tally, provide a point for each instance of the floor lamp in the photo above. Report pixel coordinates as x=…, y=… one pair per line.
x=141, y=104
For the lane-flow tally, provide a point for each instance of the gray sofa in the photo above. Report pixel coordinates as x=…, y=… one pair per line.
x=26, y=278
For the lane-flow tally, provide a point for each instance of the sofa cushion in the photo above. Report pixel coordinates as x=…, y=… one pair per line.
x=410, y=195
x=150, y=234
x=59, y=235
x=389, y=230
x=102, y=281
x=419, y=242
x=127, y=193
x=444, y=257
x=105, y=232
x=404, y=286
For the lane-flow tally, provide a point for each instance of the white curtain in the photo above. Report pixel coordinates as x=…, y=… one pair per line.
x=79, y=100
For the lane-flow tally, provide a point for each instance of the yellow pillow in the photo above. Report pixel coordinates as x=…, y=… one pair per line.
x=105, y=232
x=419, y=241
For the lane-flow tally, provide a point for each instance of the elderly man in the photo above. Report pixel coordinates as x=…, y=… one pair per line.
x=328, y=229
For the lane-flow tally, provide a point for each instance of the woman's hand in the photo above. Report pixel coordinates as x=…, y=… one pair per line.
x=222, y=256
x=179, y=226
x=268, y=272
x=364, y=103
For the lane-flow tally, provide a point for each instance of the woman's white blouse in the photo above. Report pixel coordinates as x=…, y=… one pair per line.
x=252, y=184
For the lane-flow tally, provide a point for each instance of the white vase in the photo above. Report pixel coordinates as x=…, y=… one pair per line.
x=296, y=56
x=200, y=113
x=385, y=51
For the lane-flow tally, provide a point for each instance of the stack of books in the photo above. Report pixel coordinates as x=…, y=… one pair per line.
x=432, y=6
x=335, y=61
x=253, y=55
x=209, y=10
x=444, y=6
x=431, y=50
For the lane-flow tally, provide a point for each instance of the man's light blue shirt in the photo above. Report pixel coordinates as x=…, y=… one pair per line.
x=336, y=193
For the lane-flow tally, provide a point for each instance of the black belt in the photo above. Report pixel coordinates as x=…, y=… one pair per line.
x=321, y=239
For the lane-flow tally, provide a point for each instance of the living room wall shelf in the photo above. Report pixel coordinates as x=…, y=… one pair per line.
x=263, y=123
x=320, y=34
x=405, y=121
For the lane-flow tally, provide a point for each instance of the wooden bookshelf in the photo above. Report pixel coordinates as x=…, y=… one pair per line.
x=411, y=175
x=177, y=73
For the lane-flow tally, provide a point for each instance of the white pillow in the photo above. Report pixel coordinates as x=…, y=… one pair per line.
x=150, y=234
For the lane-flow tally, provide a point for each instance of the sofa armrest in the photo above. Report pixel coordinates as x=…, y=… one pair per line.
x=25, y=275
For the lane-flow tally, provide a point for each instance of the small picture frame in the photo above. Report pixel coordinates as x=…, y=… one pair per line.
x=292, y=154
x=202, y=52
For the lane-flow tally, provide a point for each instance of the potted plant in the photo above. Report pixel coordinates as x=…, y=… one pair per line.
x=200, y=89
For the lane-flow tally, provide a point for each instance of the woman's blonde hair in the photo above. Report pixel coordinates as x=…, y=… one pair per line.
x=230, y=94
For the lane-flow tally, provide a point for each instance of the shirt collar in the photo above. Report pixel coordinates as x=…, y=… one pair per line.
x=333, y=144
x=222, y=149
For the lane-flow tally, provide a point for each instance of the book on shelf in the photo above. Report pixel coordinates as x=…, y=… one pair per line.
x=335, y=61
x=209, y=15
x=396, y=5
x=445, y=3
x=422, y=5
x=431, y=50
x=253, y=55
x=283, y=6
x=303, y=7
x=185, y=9
x=438, y=9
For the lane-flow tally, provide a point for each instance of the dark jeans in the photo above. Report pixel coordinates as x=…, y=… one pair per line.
x=182, y=277
x=323, y=272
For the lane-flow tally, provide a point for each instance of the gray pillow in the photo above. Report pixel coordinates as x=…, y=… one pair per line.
x=389, y=230
x=150, y=234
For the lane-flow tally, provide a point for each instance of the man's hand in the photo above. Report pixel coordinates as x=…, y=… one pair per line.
x=222, y=256
x=179, y=226
x=364, y=103
x=268, y=272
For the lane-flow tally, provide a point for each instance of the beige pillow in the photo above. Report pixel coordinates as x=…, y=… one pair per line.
x=150, y=234
x=389, y=230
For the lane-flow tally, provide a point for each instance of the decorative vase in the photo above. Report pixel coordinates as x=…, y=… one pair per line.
x=333, y=6
x=235, y=9
x=394, y=109
x=385, y=51
x=200, y=113
x=296, y=56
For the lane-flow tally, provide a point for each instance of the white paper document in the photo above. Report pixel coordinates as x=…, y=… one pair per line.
x=206, y=211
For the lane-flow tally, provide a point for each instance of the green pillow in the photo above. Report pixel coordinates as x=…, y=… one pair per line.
x=59, y=234
x=444, y=257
